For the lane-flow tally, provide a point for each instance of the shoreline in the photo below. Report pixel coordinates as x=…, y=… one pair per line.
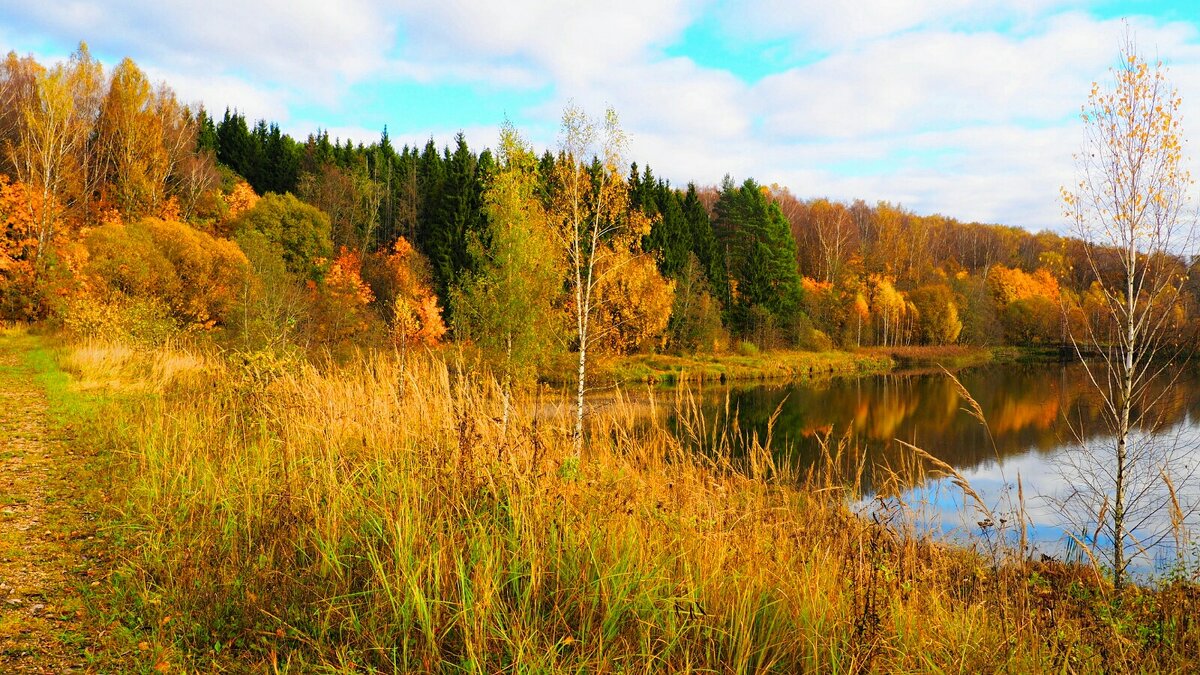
x=787, y=365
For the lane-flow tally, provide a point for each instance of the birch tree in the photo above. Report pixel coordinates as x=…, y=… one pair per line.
x=591, y=204
x=53, y=124
x=1131, y=205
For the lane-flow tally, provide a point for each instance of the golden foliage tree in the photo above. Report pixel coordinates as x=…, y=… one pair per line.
x=633, y=303
x=144, y=136
x=591, y=206
x=50, y=131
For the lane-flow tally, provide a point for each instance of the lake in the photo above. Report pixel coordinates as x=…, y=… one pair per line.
x=1038, y=418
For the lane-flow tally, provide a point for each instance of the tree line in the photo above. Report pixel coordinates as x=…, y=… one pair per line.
x=125, y=210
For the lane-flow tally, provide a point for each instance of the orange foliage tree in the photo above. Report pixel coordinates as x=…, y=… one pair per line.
x=18, y=242
x=404, y=281
x=1029, y=304
x=341, y=300
x=240, y=199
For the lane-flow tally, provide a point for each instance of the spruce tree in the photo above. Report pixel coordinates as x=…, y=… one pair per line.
x=761, y=256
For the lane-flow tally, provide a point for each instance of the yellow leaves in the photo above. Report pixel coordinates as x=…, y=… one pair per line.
x=860, y=307
x=241, y=199
x=1132, y=164
x=633, y=304
x=1009, y=285
x=417, y=320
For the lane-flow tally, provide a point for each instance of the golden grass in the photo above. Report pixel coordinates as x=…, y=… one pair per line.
x=383, y=516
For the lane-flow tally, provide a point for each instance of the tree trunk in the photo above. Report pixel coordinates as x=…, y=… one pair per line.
x=1126, y=402
x=579, y=392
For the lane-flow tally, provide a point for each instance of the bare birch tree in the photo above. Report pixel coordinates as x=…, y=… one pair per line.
x=1131, y=208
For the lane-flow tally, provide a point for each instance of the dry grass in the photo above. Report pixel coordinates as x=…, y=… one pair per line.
x=382, y=516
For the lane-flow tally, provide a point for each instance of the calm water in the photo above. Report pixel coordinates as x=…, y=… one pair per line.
x=1037, y=418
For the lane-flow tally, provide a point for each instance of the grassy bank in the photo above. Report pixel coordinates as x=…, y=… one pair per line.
x=382, y=517
x=767, y=365
x=946, y=356
x=790, y=365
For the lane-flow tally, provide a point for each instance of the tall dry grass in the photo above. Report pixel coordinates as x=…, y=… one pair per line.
x=389, y=515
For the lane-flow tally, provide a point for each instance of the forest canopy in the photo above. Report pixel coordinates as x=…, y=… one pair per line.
x=117, y=199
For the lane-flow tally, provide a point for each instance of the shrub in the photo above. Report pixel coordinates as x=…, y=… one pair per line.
x=197, y=276
x=300, y=230
x=747, y=348
x=136, y=321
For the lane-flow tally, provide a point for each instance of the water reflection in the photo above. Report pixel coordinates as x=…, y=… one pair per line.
x=1035, y=413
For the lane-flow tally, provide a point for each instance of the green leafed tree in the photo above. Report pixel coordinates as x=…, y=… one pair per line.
x=300, y=230
x=508, y=305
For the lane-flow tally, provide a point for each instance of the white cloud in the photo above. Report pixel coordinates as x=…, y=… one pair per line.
x=823, y=25
x=316, y=47
x=965, y=107
x=568, y=42
x=934, y=79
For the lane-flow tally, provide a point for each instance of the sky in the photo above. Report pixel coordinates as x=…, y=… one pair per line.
x=968, y=108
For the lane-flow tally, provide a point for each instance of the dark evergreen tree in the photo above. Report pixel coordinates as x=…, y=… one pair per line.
x=281, y=162
x=431, y=180
x=236, y=147
x=546, y=178
x=206, y=135
x=459, y=215
x=762, y=259
x=669, y=237
x=705, y=245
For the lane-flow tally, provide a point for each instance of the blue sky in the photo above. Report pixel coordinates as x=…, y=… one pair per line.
x=962, y=107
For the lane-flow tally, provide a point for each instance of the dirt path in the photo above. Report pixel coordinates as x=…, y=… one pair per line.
x=43, y=530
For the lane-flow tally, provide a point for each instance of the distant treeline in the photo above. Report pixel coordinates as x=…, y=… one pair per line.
x=125, y=211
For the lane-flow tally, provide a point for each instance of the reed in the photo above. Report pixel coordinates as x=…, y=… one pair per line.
x=406, y=515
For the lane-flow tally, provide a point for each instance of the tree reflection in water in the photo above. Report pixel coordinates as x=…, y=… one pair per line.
x=1027, y=407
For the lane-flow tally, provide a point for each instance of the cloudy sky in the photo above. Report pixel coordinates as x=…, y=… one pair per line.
x=968, y=108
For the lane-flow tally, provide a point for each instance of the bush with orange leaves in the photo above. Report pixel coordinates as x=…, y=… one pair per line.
x=18, y=243
x=198, y=277
x=240, y=200
x=341, y=302
x=401, y=279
